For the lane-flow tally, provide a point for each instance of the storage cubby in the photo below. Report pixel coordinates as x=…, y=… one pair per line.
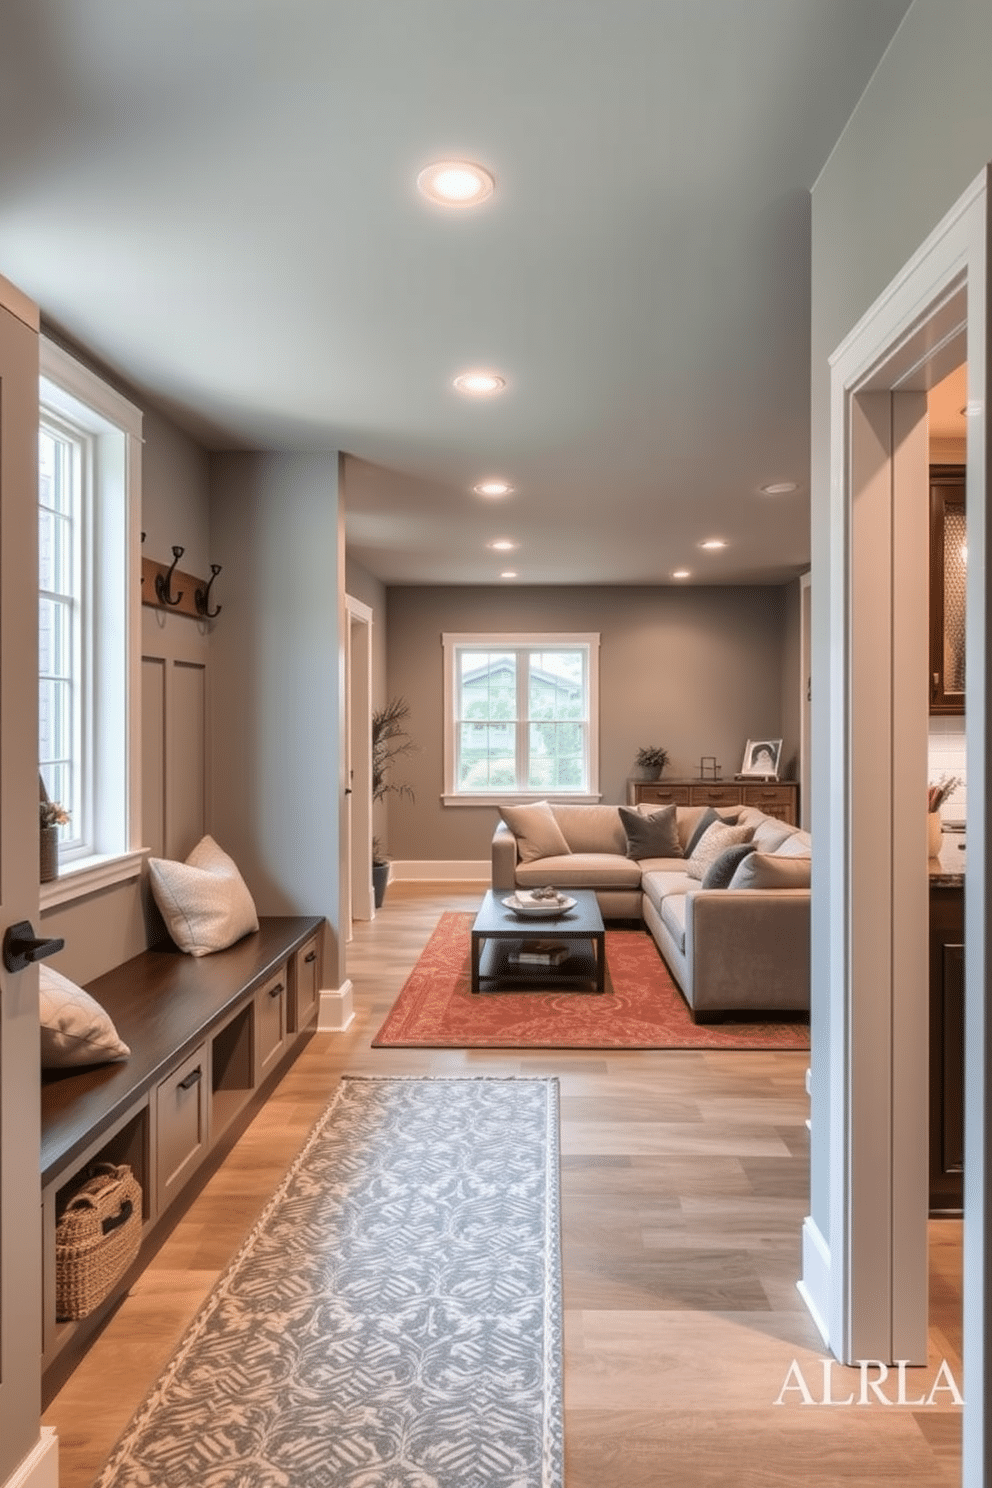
x=232, y=1068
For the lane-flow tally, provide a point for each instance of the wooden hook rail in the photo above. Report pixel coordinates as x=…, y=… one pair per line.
x=162, y=581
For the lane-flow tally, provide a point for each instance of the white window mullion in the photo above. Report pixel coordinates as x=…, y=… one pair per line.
x=523, y=720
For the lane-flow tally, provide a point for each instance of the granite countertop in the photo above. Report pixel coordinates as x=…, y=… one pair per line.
x=948, y=870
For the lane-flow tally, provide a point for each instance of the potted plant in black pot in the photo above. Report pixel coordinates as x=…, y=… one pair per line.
x=390, y=741
x=651, y=760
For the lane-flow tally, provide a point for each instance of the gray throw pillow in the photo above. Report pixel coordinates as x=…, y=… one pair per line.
x=723, y=868
x=652, y=836
x=707, y=819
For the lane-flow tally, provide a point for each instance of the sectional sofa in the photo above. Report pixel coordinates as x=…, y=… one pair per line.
x=730, y=916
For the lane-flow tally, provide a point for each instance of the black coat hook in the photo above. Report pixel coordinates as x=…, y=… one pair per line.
x=163, y=582
x=201, y=597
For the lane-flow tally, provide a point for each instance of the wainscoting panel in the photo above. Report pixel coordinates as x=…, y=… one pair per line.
x=174, y=710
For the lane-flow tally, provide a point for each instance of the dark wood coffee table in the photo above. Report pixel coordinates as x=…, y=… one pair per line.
x=499, y=935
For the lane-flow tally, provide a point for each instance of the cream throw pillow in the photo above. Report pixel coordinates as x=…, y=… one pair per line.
x=536, y=830
x=75, y=1029
x=204, y=902
x=711, y=844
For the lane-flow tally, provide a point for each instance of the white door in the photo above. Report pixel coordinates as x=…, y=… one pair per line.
x=20, y=1194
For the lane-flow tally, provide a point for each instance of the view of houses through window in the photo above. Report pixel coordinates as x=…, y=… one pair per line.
x=61, y=466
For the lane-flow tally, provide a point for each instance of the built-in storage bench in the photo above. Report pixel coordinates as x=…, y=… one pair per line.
x=207, y=1036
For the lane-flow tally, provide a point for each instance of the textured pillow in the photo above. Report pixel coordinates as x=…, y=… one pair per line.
x=204, y=902
x=538, y=834
x=707, y=819
x=75, y=1029
x=772, y=871
x=714, y=840
x=723, y=868
x=652, y=836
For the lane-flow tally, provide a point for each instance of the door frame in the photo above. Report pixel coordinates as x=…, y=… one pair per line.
x=357, y=815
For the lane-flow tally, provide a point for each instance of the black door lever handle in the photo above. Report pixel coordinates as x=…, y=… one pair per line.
x=21, y=946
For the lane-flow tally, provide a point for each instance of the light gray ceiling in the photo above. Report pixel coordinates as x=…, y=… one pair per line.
x=217, y=198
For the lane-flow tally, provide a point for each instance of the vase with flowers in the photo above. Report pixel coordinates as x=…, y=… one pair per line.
x=53, y=816
x=936, y=796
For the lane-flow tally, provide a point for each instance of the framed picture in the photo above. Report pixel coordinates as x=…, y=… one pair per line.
x=761, y=757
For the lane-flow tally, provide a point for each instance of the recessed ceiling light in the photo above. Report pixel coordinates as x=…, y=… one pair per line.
x=779, y=488
x=479, y=384
x=680, y=573
x=502, y=545
x=456, y=183
x=508, y=573
x=492, y=488
x=713, y=542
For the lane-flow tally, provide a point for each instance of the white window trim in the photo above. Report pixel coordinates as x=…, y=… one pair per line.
x=450, y=642
x=71, y=390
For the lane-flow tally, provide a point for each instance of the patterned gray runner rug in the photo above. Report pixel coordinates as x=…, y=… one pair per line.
x=394, y=1319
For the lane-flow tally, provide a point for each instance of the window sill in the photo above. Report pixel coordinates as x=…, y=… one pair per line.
x=87, y=875
x=518, y=798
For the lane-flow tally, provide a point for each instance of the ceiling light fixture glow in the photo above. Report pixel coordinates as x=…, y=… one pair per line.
x=713, y=542
x=456, y=183
x=492, y=488
x=779, y=488
x=479, y=384
x=509, y=573
x=680, y=573
x=502, y=545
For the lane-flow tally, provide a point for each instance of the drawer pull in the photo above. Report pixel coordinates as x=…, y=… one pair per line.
x=276, y=990
x=312, y=957
x=193, y=1078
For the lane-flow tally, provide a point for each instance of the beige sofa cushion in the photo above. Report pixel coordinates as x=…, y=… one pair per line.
x=658, y=882
x=799, y=845
x=673, y=918
x=712, y=843
x=591, y=829
x=534, y=826
x=581, y=871
x=772, y=871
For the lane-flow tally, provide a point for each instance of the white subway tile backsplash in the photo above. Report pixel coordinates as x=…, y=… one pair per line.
x=947, y=757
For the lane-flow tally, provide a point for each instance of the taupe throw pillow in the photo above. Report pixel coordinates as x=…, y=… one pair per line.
x=714, y=840
x=651, y=836
x=538, y=834
x=772, y=871
x=75, y=1029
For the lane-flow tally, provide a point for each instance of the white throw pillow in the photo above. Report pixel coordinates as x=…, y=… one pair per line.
x=712, y=843
x=75, y=1029
x=205, y=903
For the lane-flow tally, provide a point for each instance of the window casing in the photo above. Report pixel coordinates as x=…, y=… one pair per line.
x=521, y=717
x=89, y=622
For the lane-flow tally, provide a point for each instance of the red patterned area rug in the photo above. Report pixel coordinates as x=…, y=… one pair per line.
x=641, y=1009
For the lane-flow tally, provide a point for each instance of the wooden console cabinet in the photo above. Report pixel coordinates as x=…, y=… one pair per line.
x=779, y=798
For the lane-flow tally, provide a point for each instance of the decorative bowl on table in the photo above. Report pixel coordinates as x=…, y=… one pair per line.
x=539, y=903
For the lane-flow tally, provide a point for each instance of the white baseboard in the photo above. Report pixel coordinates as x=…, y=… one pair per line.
x=814, y=1288
x=336, y=1010
x=451, y=870
x=40, y=1468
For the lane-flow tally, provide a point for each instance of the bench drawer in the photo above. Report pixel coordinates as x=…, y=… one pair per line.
x=271, y=1004
x=181, y=1112
x=306, y=985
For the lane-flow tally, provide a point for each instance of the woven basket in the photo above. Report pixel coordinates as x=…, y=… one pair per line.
x=96, y=1239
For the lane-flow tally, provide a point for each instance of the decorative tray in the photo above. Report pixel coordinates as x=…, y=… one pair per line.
x=524, y=903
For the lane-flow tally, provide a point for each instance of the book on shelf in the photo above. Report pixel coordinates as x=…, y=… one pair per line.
x=539, y=953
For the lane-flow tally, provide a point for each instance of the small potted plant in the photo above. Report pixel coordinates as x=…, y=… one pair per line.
x=652, y=760
x=390, y=741
x=53, y=815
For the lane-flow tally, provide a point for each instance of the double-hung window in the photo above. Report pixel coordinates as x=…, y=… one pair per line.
x=521, y=717
x=89, y=616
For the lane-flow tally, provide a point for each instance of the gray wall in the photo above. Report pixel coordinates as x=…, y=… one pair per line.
x=697, y=671
x=920, y=135
x=275, y=714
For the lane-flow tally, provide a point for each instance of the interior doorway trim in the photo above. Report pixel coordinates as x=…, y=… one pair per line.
x=863, y=1278
x=357, y=814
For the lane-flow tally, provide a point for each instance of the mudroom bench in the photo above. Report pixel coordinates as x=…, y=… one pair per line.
x=207, y=1035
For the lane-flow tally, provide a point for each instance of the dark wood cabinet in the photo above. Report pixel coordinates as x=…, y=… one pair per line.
x=948, y=568
x=775, y=798
x=946, y=1049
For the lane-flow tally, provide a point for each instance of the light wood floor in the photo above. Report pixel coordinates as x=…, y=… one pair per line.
x=684, y=1186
